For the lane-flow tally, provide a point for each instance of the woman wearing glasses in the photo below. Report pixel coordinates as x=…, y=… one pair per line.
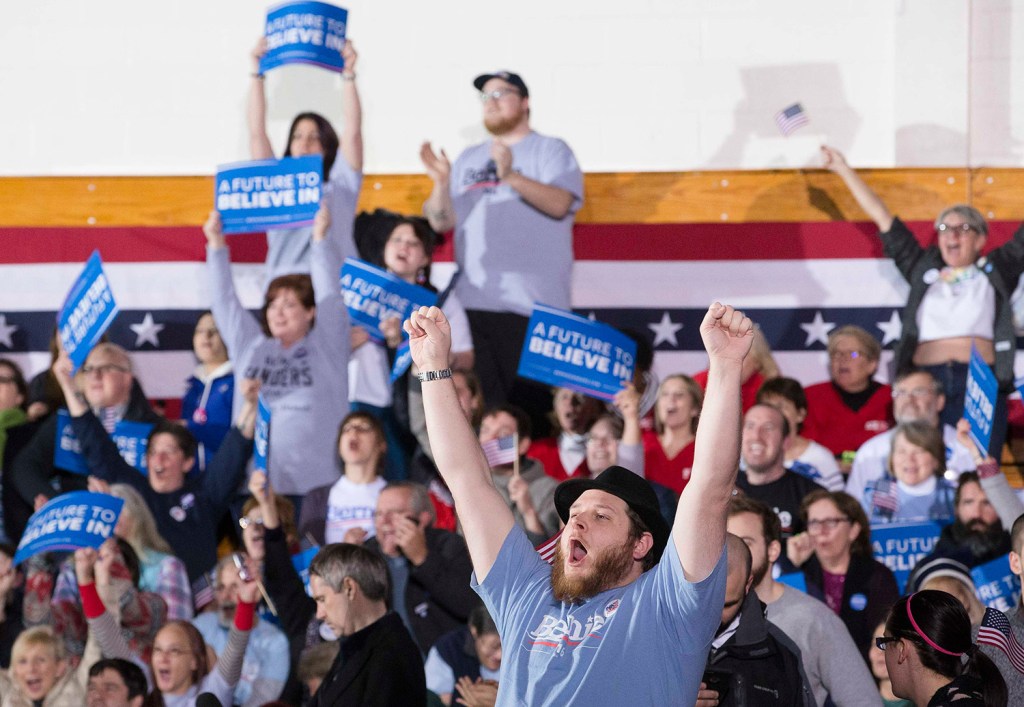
x=834, y=554
x=931, y=659
x=957, y=298
x=851, y=407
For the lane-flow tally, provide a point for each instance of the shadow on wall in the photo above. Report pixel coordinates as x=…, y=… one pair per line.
x=769, y=89
x=930, y=145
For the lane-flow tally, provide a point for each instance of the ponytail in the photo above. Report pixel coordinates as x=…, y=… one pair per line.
x=980, y=668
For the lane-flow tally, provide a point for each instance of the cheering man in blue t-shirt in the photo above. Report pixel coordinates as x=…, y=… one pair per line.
x=614, y=621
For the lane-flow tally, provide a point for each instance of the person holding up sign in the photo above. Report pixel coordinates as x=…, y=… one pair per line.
x=288, y=250
x=186, y=509
x=957, y=298
x=301, y=369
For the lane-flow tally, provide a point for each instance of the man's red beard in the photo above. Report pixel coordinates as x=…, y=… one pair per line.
x=609, y=569
x=499, y=125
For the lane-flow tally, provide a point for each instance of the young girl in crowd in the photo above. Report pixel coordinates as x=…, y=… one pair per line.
x=343, y=511
x=930, y=657
x=289, y=250
x=206, y=406
x=465, y=660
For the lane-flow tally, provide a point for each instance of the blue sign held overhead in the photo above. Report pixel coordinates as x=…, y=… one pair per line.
x=996, y=585
x=305, y=33
x=88, y=310
x=255, y=196
x=374, y=295
x=300, y=561
x=68, y=522
x=980, y=399
x=131, y=438
x=567, y=350
x=900, y=546
x=261, y=437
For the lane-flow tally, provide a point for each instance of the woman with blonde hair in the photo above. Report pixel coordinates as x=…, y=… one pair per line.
x=40, y=674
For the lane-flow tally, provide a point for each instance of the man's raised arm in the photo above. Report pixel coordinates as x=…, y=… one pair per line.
x=482, y=511
x=699, y=529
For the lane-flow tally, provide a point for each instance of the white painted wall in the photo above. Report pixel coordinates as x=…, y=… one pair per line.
x=136, y=87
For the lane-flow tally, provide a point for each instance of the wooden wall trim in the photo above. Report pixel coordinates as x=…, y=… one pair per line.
x=623, y=197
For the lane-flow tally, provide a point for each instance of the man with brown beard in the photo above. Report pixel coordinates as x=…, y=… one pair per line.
x=617, y=621
x=512, y=201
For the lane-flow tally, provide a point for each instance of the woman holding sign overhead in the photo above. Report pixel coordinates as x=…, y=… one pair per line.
x=289, y=250
x=958, y=300
x=301, y=368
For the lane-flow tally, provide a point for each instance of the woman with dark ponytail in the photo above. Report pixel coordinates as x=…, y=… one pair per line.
x=931, y=658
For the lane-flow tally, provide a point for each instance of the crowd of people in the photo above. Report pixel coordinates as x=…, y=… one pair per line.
x=454, y=534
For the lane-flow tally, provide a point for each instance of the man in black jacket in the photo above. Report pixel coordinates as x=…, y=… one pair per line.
x=106, y=384
x=378, y=662
x=429, y=568
x=752, y=662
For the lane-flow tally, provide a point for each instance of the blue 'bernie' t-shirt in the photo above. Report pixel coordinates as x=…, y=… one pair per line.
x=642, y=644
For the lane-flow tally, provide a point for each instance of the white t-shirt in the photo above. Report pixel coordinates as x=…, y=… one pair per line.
x=351, y=505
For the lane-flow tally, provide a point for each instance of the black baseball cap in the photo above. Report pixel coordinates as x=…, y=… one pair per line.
x=506, y=76
x=623, y=483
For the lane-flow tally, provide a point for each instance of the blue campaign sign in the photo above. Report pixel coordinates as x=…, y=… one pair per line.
x=567, y=350
x=373, y=295
x=795, y=580
x=261, y=437
x=68, y=522
x=403, y=359
x=900, y=546
x=88, y=310
x=131, y=439
x=996, y=585
x=255, y=196
x=305, y=33
x=301, y=560
x=980, y=399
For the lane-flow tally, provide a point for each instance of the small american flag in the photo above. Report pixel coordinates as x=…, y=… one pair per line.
x=202, y=591
x=789, y=119
x=546, y=549
x=995, y=630
x=501, y=450
x=885, y=498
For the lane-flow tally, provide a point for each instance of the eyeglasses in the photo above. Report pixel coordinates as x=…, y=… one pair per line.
x=497, y=94
x=596, y=441
x=962, y=229
x=915, y=393
x=7, y=379
x=882, y=641
x=102, y=369
x=819, y=524
x=844, y=355
x=244, y=522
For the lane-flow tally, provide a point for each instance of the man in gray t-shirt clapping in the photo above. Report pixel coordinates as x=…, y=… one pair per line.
x=512, y=201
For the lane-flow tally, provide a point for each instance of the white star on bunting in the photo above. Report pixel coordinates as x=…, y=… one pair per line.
x=146, y=332
x=665, y=331
x=5, y=332
x=818, y=329
x=892, y=330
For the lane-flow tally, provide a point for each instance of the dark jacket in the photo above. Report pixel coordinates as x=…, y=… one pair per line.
x=33, y=472
x=313, y=516
x=438, y=597
x=869, y=591
x=1003, y=267
x=296, y=610
x=762, y=664
x=186, y=518
x=379, y=665
x=457, y=649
